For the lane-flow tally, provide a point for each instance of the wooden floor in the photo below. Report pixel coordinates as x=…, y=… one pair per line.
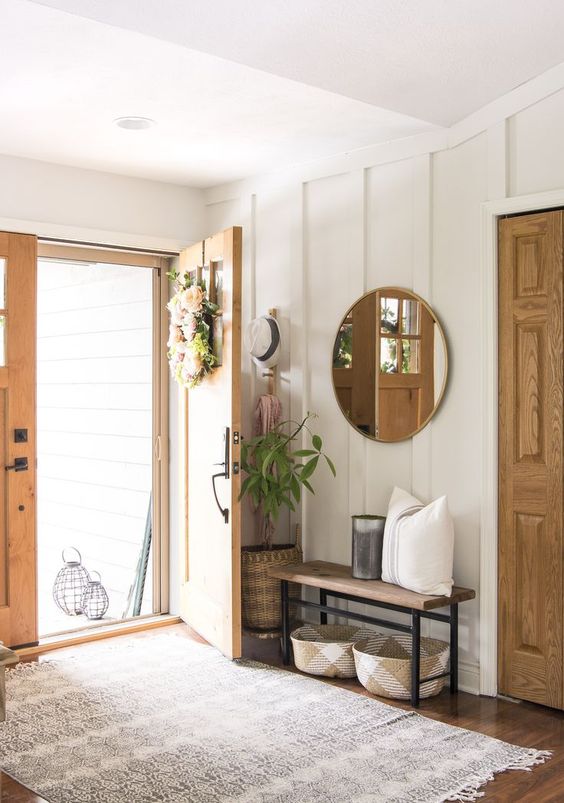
x=521, y=723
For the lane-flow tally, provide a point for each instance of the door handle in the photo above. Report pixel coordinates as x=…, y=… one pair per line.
x=19, y=464
x=224, y=475
x=223, y=510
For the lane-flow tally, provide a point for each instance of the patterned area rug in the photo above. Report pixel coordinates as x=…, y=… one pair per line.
x=166, y=719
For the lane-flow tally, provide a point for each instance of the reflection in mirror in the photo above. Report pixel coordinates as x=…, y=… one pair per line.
x=342, y=353
x=389, y=364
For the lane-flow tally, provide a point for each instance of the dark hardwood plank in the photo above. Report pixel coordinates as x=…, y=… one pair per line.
x=525, y=724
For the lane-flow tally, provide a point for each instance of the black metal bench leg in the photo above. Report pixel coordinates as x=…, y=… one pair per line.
x=415, y=656
x=453, y=649
x=322, y=601
x=285, y=622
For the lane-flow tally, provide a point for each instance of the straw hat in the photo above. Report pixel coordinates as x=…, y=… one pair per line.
x=262, y=340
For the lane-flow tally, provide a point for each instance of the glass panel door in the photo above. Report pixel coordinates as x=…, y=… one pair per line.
x=95, y=436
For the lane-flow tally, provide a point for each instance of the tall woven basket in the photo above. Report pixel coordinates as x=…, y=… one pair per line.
x=260, y=592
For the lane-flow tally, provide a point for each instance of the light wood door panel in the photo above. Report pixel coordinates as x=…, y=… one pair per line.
x=530, y=622
x=406, y=400
x=18, y=595
x=211, y=587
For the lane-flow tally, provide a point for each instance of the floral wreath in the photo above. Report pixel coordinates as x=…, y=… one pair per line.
x=190, y=353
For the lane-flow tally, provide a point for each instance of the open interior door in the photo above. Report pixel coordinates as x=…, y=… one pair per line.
x=211, y=581
x=18, y=595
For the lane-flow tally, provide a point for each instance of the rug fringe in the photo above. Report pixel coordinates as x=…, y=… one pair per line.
x=471, y=791
x=26, y=668
x=533, y=759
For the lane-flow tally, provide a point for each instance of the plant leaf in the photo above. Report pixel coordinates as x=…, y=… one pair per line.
x=309, y=468
x=267, y=461
x=287, y=501
x=308, y=486
x=295, y=486
x=245, y=487
x=331, y=465
x=317, y=442
x=304, y=453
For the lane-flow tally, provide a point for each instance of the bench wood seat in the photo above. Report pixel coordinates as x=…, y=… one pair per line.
x=336, y=577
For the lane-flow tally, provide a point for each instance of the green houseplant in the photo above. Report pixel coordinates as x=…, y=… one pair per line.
x=277, y=474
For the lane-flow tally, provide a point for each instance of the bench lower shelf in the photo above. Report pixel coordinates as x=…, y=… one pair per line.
x=414, y=629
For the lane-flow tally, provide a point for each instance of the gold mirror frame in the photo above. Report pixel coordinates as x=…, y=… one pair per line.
x=391, y=290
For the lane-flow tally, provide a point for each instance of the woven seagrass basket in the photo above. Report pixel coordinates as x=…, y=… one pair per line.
x=383, y=665
x=327, y=649
x=261, y=593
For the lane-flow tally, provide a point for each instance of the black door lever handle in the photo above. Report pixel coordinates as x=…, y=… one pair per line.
x=20, y=464
x=223, y=510
x=223, y=474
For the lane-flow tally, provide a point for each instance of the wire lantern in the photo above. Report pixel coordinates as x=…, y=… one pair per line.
x=95, y=600
x=70, y=584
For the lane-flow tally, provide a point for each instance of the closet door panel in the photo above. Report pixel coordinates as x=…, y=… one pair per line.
x=530, y=458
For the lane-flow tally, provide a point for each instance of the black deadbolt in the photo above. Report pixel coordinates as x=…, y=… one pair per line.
x=20, y=436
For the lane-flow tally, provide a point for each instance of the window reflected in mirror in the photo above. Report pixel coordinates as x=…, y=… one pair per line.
x=342, y=353
x=389, y=308
x=389, y=364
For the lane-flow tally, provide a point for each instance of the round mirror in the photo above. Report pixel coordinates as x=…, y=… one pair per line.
x=389, y=364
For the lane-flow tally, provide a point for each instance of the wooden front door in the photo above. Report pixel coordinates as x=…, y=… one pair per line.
x=405, y=354
x=18, y=595
x=211, y=587
x=530, y=650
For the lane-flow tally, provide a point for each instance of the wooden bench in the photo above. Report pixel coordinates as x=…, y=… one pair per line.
x=335, y=580
x=7, y=657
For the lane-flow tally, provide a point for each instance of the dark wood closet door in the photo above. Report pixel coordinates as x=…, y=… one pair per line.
x=530, y=620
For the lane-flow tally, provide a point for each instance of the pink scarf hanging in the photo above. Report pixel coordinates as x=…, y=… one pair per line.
x=267, y=415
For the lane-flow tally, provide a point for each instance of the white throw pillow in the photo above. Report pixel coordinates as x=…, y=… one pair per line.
x=418, y=545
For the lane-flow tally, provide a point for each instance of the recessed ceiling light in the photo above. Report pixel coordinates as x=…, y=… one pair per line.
x=134, y=123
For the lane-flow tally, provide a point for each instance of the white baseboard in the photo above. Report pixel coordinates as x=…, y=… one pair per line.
x=469, y=677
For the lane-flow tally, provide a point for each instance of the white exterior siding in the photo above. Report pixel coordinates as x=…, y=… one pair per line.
x=94, y=425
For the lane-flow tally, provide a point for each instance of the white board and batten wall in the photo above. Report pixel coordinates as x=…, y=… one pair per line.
x=317, y=237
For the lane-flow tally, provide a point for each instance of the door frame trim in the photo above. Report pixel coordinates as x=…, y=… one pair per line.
x=96, y=238
x=158, y=263
x=490, y=212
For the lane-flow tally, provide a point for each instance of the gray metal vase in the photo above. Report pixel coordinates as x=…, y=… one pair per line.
x=367, y=543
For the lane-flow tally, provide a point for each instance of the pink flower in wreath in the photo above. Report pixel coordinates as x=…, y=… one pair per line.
x=189, y=326
x=175, y=311
x=175, y=336
x=192, y=299
x=193, y=363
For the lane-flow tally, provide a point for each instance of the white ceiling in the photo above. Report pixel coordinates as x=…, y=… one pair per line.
x=64, y=79
x=438, y=60
x=257, y=85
